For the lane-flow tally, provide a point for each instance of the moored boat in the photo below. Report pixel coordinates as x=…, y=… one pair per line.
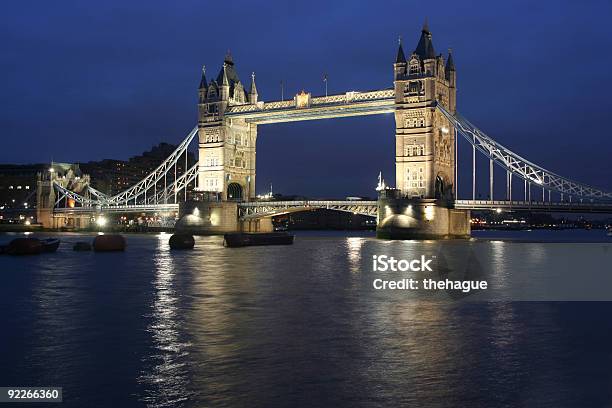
x=25, y=246
x=50, y=244
x=241, y=239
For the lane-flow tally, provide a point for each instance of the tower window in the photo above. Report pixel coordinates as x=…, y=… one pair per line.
x=414, y=150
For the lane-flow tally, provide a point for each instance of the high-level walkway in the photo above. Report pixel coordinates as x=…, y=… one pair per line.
x=320, y=107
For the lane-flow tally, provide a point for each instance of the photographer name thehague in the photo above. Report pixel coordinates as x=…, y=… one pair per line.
x=424, y=264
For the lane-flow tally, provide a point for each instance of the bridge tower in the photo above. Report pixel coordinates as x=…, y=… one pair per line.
x=425, y=141
x=421, y=205
x=226, y=146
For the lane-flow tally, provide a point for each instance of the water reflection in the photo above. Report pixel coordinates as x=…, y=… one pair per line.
x=165, y=376
x=354, y=245
x=301, y=325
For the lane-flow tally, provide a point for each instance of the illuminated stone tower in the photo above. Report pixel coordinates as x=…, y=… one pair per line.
x=226, y=145
x=425, y=142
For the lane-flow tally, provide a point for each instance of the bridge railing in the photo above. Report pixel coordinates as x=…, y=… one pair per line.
x=268, y=208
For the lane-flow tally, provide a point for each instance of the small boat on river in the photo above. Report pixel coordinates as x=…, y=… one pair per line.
x=30, y=246
x=241, y=239
x=50, y=244
x=24, y=246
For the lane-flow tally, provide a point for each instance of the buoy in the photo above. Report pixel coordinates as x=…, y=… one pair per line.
x=82, y=246
x=25, y=246
x=108, y=243
x=181, y=241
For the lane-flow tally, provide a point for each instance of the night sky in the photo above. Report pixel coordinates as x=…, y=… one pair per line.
x=85, y=81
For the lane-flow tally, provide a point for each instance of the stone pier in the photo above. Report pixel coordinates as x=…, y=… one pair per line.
x=217, y=217
x=416, y=218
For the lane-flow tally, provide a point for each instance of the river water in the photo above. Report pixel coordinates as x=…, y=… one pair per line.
x=303, y=325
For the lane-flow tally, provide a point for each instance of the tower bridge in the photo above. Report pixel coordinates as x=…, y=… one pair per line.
x=424, y=201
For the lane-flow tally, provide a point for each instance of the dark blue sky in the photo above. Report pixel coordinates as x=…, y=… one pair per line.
x=90, y=80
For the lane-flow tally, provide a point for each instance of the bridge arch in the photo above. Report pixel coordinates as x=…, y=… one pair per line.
x=234, y=192
x=443, y=186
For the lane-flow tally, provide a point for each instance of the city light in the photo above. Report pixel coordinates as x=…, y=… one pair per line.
x=408, y=210
x=499, y=210
x=429, y=213
x=101, y=221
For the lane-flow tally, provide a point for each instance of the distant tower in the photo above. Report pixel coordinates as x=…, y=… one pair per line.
x=227, y=146
x=425, y=142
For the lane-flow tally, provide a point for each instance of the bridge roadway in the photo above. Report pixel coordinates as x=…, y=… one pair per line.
x=258, y=209
x=540, y=206
x=123, y=209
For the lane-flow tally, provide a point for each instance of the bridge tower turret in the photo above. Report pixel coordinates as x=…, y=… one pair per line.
x=425, y=141
x=253, y=92
x=226, y=145
x=399, y=68
x=451, y=77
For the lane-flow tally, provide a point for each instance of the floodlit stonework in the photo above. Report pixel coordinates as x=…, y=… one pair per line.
x=425, y=141
x=226, y=145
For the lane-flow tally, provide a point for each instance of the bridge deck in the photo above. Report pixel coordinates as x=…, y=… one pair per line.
x=541, y=206
x=119, y=209
x=257, y=209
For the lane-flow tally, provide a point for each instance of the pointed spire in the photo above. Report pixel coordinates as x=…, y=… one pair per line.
x=381, y=182
x=224, y=79
x=228, y=58
x=425, y=48
x=449, y=69
x=203, y=83
x=401, y=58
x=450, y=64
x=426, y=26
x=253, y=87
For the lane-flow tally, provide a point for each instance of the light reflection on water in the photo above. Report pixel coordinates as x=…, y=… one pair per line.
x=165, y=372
x=301, y=326
x=354, y=245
